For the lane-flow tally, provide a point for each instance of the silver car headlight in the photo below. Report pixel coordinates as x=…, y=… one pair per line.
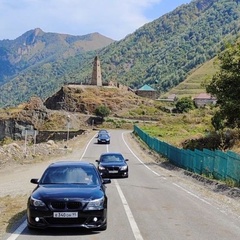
x=123, y=168
x=36, y=202
x=96, y=204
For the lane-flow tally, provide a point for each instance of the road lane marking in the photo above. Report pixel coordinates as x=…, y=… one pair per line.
x=175, y=184
x=140, y=159
x=87, y=147
x=18, y=231
x=223, y=211
x=128, y=211
x=130, y=217
x=192, y=194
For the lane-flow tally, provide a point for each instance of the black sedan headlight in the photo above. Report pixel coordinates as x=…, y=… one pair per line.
x=36, y=202
x=96, y=204
x=101, y=168
x=123, y=168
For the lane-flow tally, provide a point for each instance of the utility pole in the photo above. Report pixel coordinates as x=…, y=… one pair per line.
x=68, y=126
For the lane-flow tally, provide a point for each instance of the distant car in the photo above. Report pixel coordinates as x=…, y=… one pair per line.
x=69, y=194
x=103, y=138
x=103, y=131
x=112, y=164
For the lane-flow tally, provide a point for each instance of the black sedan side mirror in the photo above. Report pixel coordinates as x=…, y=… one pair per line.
x=106, y=180
x=34, y=180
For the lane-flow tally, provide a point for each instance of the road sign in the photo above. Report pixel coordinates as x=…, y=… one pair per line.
x=26, y=132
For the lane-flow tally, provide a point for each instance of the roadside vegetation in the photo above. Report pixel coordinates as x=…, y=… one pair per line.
x=215, y=127
x=177, y=128
x=196, y=80
x=13, y=208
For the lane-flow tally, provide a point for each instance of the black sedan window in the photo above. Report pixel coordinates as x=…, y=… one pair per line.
x=112, y=158
x=67, y=175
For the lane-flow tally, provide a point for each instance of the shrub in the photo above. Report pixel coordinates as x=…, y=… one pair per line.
x=102, y=111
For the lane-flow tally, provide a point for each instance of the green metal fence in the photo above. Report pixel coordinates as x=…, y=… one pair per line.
x=220, y=165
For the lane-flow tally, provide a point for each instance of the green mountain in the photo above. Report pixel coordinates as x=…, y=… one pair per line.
x=161, y=54
x=37, y=47
x=196, y=81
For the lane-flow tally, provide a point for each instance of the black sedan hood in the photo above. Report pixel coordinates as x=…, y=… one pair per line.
x=53, y=191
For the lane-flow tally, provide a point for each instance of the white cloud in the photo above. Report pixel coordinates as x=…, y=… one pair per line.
x=112, y=18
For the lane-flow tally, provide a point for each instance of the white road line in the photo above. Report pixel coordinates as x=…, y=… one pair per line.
x=130, y=217
x=87, y=147
x=175, y=184
x=127, y=209
x=18, y=231
x=201, y=199
x=140, y=159
x=192, y=194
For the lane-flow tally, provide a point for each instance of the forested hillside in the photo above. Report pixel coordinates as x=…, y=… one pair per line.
x=196, y=81
x=161, y=53
x=166, y=50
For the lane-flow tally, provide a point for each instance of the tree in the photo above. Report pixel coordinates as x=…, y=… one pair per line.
x=225, y=86
x=184, y=104
x=102, y=111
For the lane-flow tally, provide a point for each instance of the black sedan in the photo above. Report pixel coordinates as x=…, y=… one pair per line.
x=103, y=131
x=103, y=138
x=69, y=194
x=112, y=164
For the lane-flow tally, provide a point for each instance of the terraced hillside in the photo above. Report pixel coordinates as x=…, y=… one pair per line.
x=196, y=81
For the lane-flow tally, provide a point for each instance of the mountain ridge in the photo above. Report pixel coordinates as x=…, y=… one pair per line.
x=36, y=46
x=161, y=54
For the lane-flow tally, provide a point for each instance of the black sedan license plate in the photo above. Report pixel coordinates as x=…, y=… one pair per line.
x=65, y=214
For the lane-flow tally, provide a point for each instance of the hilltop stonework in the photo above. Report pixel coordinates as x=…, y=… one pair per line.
x=85, y=98
x=96, y=73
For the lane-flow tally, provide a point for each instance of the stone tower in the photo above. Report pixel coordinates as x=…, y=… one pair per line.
x=96, y=73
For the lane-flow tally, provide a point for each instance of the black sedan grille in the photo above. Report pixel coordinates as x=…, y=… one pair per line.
x=66, y=205
x=113, y=168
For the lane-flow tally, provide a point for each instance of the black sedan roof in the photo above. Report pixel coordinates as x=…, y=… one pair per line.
x=71, y=163
x=66, y=172
x=111, y=153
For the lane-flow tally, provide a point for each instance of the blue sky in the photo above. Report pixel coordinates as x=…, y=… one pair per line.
x=112, y=18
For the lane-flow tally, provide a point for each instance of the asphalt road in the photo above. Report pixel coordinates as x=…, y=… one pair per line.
x=152, y=204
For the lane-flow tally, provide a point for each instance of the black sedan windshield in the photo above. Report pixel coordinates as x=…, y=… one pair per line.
x=112, y=158
x=69, y=175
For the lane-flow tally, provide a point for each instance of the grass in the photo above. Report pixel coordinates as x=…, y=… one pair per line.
x=12, y=208
x=196, y=81
x=176, y=128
